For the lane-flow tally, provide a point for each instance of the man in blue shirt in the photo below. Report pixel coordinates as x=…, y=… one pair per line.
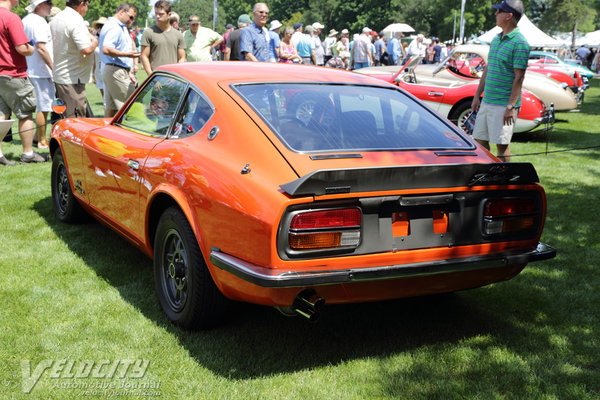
x=117, y=53
x=305, y=45
x=254, y=39
x=394, y=50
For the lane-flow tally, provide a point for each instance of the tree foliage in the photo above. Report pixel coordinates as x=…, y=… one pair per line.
x=96, y=9
x=430, y=17
x=570, y=15
x=204, y=10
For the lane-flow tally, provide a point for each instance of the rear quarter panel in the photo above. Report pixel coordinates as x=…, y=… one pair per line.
x=234, y=211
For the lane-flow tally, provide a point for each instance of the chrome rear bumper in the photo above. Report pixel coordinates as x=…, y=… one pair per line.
x=548, y=118
x=266, y=277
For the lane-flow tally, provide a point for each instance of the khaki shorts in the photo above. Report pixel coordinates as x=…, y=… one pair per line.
x=117, y=86
x=16, y=96
x=74, y=97
x=489, y=125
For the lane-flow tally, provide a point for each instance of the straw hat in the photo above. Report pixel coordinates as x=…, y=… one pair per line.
x=99, y=21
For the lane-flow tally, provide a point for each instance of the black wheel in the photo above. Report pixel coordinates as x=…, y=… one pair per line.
x=66, y=207
x=460, y=113
x=185, y=289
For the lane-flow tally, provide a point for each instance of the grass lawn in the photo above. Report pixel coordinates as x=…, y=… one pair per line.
x=83, y=295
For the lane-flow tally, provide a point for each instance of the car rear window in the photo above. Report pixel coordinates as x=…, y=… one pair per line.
x=337, y=117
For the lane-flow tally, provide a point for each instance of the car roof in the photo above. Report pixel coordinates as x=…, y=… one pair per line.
x=237, y=71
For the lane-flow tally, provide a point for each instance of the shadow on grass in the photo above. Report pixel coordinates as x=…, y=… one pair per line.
x=258, y=341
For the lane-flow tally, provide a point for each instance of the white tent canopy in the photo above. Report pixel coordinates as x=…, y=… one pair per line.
x=589, y=39
x=398, y=27
x=535, y=36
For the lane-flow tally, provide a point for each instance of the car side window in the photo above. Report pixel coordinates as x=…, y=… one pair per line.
x=154, y=108
x=195, y=112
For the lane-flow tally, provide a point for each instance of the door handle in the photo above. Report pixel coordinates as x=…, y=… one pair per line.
x=435, y=94
x=133, y=165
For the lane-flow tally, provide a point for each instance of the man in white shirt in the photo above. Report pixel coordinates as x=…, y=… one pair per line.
x=200, y=42
x=328, y=44
x=416, y=48
x=40, y=64
x=73, y=48
x=319, y=50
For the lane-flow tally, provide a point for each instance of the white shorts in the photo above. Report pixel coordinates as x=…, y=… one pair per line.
x=489, y=125
x=44, y=93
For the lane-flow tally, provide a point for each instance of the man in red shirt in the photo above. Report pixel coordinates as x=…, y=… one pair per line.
x=16, y=91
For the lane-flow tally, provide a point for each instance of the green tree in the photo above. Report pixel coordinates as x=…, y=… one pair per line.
x=570, y=15
x=204, y=10
x=232, y=9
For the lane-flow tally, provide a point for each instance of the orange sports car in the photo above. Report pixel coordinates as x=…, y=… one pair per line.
x=291, y=186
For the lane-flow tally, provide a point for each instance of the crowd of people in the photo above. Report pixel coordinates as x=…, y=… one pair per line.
x=42, y=60
x=255, y=40
x=54, y=53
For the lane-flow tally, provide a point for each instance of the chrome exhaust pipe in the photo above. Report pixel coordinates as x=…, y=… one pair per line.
x=308, y=305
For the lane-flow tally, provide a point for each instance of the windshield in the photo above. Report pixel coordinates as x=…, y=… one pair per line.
x=334, y=117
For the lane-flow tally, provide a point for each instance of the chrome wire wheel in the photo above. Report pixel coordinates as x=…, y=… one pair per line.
x=305, y=111
x=462, y=117
x=175, y=270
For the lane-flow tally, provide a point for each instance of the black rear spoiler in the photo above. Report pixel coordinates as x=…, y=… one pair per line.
x=334, y=181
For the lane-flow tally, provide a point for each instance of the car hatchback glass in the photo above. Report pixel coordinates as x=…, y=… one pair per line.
x=333, y=117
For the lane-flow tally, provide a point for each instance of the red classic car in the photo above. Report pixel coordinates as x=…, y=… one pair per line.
x=466, y=62
x=472, y=68
x=452, y=98
x=292, y=186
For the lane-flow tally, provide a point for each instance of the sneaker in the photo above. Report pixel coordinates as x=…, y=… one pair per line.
x=4, y=161
x=34, y=158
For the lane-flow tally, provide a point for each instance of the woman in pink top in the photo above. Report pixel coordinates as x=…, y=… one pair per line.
x=287, y=50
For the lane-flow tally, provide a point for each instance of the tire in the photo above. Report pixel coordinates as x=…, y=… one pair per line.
x=185, y=289
x=460, y=113
x=304, y=105
x=66, y=207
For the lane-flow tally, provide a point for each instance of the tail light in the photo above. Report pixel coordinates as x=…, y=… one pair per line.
x=325, y=229
x=578, y=80
x=502, y=216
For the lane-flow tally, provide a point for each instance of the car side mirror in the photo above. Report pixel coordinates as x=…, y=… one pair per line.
x=59, y=106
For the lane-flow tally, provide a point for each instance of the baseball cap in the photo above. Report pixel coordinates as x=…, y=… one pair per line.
x=194, y=20
x=366, y=30
x=511, y=7
x=244, y=19
x=317, y=25
x=229, y=26
x=298, y=25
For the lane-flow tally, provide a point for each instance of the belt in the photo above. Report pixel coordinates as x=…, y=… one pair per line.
x=119, y=66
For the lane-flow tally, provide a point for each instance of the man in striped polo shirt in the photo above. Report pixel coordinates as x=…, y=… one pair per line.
x=501, y=81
